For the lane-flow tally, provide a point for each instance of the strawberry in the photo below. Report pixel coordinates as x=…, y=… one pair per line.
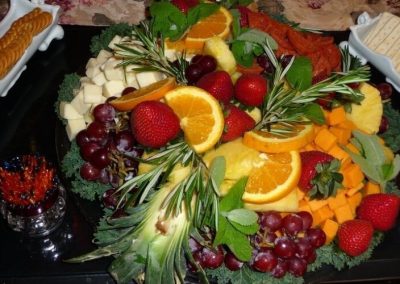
x=250, y=89
x=319, y=174
x=237, y=122
x=381, y=209
x=181, y=5
x=219, y=84
x=354, y=236
x=154, y=124
x=244, y=16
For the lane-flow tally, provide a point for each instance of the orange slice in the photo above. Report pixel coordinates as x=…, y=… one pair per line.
x=152, y=92
x=274, y=179
x=269, y=143
x=200, y=114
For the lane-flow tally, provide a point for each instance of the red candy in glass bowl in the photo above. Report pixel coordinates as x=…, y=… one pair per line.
x=32, y=199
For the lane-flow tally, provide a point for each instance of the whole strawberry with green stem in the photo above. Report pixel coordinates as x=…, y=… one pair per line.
x=237, y=122
x=354, y=236
x=381, y=209
x=320, y=175
x=154, y=124
x=251, y=89
x=218, y=84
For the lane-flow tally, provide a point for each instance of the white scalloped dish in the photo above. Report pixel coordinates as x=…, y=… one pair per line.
x=41, y=41
x=357, y=47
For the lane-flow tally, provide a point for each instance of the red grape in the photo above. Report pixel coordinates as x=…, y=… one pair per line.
x=316, y=236
x=264, y=62
x=110, y=199
x=270, y=220
x=212, y=258
x=385, y=90
x=264, y=261
x=307, y=219
x=82, y=138
x=285, y=247
x=292, y=224
x=303, y=248
x=124, y=140
x=297, y=266
x=89, y=172
x=88, y=149
x=104, y=176
x=312, y=257
x=97, y=132
x=196, y=59
x=100, y=158
x=383, y=127
x=193, y=73
x=128, y=90
x=231, y=262
x=104, y=113
x=207, y=64
x=280, y=269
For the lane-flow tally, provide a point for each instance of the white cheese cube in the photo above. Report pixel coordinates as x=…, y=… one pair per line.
x=99, y=79
x=85, y=80
x=67, y=111
x=112, y=71
x=103, y=56
x=74, y=126
x=146, y=78
x=91, y=72
x=113, y=88
x=130, y=80
x=91, y=63
x=79, y=104
x=115, y=40
x=170, y=54
x=92, y=94
x=88, y=117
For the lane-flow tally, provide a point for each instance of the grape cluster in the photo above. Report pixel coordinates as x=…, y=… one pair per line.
x=282, y=245
x=107, y=149
x=199, y=66
x=386, y=92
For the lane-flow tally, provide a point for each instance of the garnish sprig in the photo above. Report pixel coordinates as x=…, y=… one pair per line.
x=147, y=51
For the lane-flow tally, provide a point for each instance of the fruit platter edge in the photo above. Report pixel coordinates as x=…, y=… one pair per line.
x=92, y=210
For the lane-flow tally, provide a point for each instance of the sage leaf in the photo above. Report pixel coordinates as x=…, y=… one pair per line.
x=257, y=36
x=299, y=75
x=371, y=147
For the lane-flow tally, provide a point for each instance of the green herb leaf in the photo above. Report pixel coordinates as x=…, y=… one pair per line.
x=248, y=230
x=243, y=52
x=233, y=199
x=257, y=36
x=217, y=170
x=314, y=113
x=236, y=29
x=299, y=75
x=168, y=20
x=242, y=216
x=200, y=11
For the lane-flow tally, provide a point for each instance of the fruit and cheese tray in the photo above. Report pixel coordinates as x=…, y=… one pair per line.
x=226, y=144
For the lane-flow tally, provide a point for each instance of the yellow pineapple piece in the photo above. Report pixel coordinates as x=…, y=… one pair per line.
x=367, y=115
x=218, y=48
x=289, y=203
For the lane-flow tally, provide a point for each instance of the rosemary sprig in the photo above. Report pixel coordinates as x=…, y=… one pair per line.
x=147, y=51
x=284, y=108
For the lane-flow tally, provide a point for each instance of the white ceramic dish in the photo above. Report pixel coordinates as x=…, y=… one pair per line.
x=356, y=47
x=41, y=41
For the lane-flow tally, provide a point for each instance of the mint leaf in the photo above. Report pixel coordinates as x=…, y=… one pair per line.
x=242, y=216
x=233, y=199
x=314, y=112
x=299, y=75
x=167, y=20
x=236, y=29
x=248, y=230
x=217, y=170
x=257, y=36
x=200, y=11
x=239, y=244
x=243, y=52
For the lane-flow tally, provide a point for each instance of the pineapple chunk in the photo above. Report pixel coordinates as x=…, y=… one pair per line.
x=217, y=48
x=367, y=115
x=289, y=203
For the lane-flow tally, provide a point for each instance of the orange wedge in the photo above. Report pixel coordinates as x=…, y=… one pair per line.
x=217, y=24
x=152, y=92
x=269, y=143
x=200, y=114
x=274, y=179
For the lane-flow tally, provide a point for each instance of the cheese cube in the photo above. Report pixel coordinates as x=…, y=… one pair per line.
x=88, y=117
x=99, y=79
x=130, y=80
x=91, y=72
x=149, y=77
x=103, y=56
x=91, y=63
x=113, y=88
x=115, y=40
x=112, y=71
x=74, y=126
x=67, y=111
x=84, y=80
x=79, y=104
x=92, y=94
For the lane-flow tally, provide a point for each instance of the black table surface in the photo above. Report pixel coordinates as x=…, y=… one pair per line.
x=29, y=124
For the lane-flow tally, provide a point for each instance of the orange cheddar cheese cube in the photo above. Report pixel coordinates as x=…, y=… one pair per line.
x=338, y=153
x=354, y=190
x=352, y=175
x=303, y=206
x=347, y=124
x=322, y=214
x=316, y=204
x=352, y=148
x=330, y=228
x=325, y=139
x=343, y=213
x=336, y=116
x=337, y=201
x=342, y=134
x=354, y=201
x=371, y=188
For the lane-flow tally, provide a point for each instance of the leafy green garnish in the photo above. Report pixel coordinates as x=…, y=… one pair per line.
x=66, y=92
x=299, y=75
x=101, y=41
x=71, y=165
x=235, y=223
x=392, y=135
x=234, y=3
x=247, y=45
x=372, y=158
x=171, y=23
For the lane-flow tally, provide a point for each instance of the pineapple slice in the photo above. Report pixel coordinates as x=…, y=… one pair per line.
x=289, y=203
x=368, y=114
x=217, y=48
